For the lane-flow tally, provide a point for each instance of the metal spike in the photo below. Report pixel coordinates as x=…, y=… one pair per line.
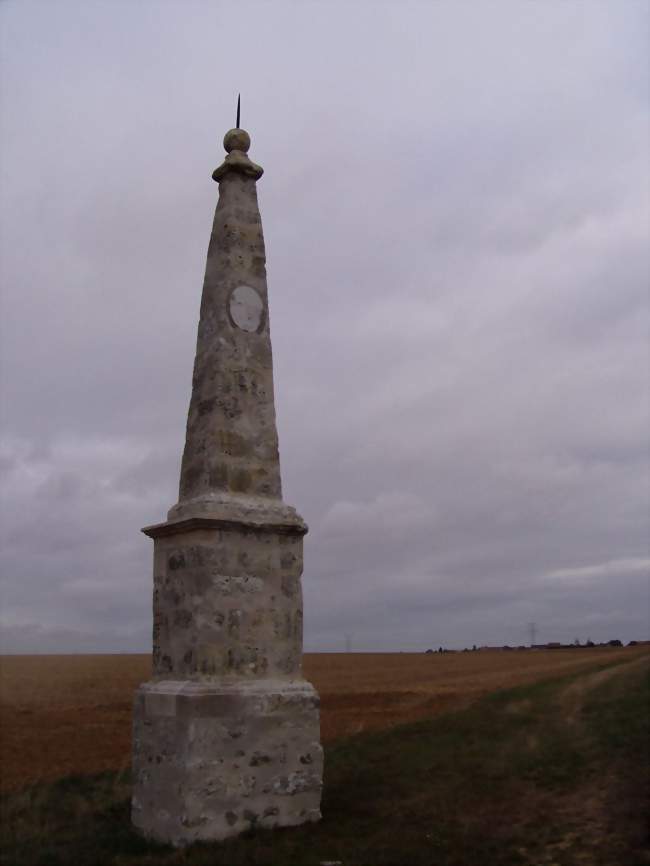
x=238, y=106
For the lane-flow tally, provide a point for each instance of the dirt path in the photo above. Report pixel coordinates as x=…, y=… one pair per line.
x=572, y=698
x=595, y=807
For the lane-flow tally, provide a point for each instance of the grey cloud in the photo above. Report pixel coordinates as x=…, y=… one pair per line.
x=456, y=226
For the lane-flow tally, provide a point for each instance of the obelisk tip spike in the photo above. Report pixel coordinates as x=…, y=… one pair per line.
x=238, y=108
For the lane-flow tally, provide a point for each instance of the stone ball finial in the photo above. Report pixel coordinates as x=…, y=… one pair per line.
x=237, y=139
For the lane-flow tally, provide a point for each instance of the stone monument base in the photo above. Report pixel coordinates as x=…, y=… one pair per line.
x=211, y=760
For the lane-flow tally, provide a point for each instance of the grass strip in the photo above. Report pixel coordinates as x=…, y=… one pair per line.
x=505, y=782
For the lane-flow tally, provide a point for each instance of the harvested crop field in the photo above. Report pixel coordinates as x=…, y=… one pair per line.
x=72, y=714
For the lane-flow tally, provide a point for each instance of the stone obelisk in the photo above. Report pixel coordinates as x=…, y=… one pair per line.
x=226, y=733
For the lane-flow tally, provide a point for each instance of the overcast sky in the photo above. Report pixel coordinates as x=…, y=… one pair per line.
x=455, y=207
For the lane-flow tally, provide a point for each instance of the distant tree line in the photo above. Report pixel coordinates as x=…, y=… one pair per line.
x=539, y=646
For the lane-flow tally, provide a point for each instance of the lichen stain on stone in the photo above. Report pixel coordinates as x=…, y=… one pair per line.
x=233, y=444
x=206, y=407
x=235, y=618
x=287, y=560
x=289, y=585
x=240, y=480
x=182, y=618
x=229, y=585
x=176, y=561
x=259, y=758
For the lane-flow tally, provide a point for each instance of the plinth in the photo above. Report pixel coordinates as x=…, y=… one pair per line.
x=226, y=734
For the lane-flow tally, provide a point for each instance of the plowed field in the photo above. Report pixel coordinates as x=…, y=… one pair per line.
x=72, y=714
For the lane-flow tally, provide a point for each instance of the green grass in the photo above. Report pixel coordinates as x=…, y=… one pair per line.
x=507, y=782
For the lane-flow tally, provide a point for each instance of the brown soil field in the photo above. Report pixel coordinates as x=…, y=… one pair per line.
x=72, y=713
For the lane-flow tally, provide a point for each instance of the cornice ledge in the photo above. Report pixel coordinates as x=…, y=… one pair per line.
x=230, y=512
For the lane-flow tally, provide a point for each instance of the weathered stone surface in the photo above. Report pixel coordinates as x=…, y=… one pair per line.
x=227, y=602
x=232, y=443
x=212, y=760
x=226, y=734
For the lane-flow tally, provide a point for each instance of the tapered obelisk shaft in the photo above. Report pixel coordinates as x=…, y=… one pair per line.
x=232, y=442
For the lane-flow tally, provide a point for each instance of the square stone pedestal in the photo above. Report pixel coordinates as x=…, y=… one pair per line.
x=211, y=760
